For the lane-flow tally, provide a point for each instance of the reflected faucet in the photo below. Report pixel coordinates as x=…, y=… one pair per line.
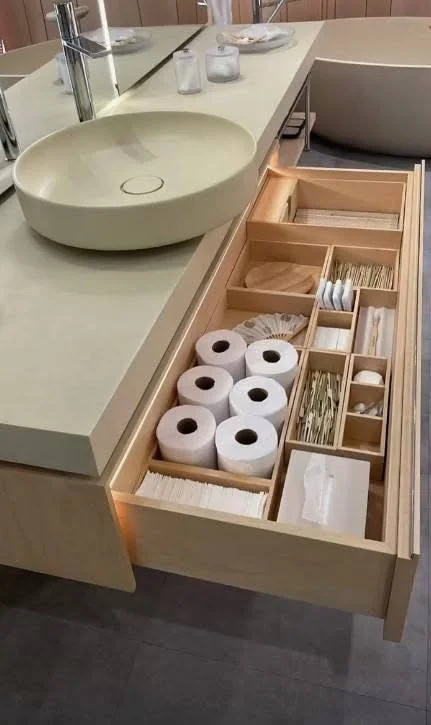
x=76, y=49
x=8, y=137
x=260, y=5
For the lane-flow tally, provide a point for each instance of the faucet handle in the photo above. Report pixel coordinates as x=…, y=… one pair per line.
x=65, y=12
x=87, y=47
x=81, y=11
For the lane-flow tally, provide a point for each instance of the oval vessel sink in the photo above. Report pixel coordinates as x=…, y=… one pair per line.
x=137, y=180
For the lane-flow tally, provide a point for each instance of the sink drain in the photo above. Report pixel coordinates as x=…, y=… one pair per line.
x=138, y=185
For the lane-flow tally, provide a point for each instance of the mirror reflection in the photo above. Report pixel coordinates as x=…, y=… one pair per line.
x=138, y=36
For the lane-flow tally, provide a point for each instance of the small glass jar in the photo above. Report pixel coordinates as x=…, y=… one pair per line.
x=222, y=64
x=187, y=71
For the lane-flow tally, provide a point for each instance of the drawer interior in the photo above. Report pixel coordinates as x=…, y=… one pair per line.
x=238, y=305
x=331, y=202
x=372, y=268
x=356, y=433
x=317, y=565
x=289, y=268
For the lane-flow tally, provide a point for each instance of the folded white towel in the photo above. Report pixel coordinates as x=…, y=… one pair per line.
x=220, y=12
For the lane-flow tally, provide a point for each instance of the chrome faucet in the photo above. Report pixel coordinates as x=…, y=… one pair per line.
x=77, y=48
x=8, y=139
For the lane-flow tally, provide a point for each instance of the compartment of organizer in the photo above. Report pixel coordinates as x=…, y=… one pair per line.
x=316, y=414
x=331, y=202
x=362, y=433
x=170, y=482
x=236, y=306
x=365, y=416
x=280, y=267
x=366, y=400
x=364, y=266
x=332, y=493
x=333, y=330
x=194, y=487
x=376, y=323
x=259, y=315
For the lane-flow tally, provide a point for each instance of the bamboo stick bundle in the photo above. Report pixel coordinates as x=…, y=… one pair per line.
x=376, y=276
x=319, y=408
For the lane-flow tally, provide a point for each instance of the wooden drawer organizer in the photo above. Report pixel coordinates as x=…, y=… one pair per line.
x=93, y=529
x=358, y=575
x=331, y=202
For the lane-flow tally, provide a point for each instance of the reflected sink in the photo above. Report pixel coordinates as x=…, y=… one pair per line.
x=6, y=171
x=137, y=180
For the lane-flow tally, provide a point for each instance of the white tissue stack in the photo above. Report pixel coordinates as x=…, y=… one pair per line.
x=208, y=386
x=325, y=492
x=186, y=434
x=247, y=445
x=260, y=396
x=203, y=495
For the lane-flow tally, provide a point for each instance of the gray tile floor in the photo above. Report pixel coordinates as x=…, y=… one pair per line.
x=183, y=651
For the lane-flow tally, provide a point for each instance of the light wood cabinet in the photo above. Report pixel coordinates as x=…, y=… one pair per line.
x=94, y=529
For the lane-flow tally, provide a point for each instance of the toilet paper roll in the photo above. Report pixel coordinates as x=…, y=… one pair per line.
x=224, y=349
x=185, y=434
x=260, y=396
x=208, y=386
x=247, y=444
x=275, y=359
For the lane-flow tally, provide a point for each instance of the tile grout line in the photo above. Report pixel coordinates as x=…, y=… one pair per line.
x=282, y=677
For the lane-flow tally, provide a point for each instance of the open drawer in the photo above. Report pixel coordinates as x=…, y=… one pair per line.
x=371, y=575
x=93, y=530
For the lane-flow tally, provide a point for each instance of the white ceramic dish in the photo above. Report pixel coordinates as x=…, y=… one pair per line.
x=134, y=40
x=285, y=37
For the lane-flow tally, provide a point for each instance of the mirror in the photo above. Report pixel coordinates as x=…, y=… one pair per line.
x=33, y=74
x=144, y=33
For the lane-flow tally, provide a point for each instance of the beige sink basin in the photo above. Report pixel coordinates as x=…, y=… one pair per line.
x=137, y=180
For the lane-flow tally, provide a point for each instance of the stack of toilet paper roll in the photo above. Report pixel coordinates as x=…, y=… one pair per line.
x=232, y=405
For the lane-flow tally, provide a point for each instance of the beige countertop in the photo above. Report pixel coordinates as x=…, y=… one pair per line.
x=82, y=333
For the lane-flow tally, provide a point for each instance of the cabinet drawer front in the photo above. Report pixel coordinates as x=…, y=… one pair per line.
x=354, y=576
x=408, y=546
x=324, y=568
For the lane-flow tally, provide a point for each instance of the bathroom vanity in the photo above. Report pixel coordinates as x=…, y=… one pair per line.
x=98, y=343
